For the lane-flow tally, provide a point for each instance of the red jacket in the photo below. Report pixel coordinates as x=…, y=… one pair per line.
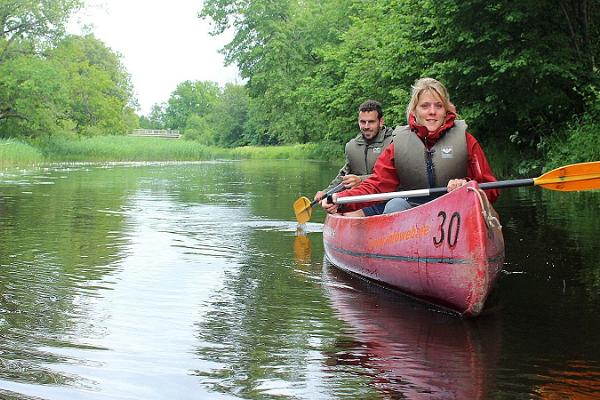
x=385, y=179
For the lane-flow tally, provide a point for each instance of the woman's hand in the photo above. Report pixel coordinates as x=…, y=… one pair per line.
x=455, y=184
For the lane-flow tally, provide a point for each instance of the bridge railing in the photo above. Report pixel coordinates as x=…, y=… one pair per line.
x=165, y=133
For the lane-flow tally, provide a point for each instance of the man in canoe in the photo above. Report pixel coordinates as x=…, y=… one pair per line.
x=362, y=151
x=434, y=149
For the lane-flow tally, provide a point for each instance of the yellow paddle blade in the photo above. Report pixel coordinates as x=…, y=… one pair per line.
x=582, y=176
x=303, y=210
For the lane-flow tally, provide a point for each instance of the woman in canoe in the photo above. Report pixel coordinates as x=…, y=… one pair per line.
x=433, y=150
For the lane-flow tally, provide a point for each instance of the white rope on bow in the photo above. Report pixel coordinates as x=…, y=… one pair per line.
x=490, y=219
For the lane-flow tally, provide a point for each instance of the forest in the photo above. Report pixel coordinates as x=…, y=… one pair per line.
x=524, y=75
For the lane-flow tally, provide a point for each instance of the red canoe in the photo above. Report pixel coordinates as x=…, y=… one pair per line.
x=448, y=251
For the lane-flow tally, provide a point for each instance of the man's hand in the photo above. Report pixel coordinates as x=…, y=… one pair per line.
x=351, y=181
x=330, y=208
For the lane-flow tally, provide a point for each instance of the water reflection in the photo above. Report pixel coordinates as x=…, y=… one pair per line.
x=190, y=281
x=263, y=329
x=302, y=247
x=578, y=381
x=407, y=350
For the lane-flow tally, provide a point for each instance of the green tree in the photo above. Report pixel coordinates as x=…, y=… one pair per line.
x=230, y=116
x=31, y=89
x=190, y=98
x=33, y=98
x=154, y=120
x=199, y=129
x=31, y=26
x=358, y=67
x=101, y=97
x=275, y=49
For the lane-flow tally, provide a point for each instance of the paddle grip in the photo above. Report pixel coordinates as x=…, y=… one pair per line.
x=329, y=194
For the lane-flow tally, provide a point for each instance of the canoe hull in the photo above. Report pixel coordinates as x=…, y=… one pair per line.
x=448, y=251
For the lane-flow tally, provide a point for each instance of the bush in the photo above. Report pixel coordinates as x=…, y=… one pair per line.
x=580, y=144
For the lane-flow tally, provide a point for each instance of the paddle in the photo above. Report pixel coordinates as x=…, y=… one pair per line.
x=574, y=177
x=303, y=206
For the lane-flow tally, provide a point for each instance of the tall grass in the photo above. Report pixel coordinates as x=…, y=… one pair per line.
x=130, y=148
x=308, y=151
x=501, y=156
x=15, y=153
x=124, y=148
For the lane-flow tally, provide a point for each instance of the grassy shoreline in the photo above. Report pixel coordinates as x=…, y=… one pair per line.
x=14, y=153
x=99, y=149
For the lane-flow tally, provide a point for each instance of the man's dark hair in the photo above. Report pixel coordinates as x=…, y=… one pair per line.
x=371, y=105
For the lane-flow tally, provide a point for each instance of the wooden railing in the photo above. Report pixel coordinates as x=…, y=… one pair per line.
x=164, y=133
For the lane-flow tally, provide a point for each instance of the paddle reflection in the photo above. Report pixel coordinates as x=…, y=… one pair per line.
x=302, y=249
x=578, y=381
x=408, y=350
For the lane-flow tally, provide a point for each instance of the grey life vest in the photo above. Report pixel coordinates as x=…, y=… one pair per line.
x=420, y=168
x=361, y=155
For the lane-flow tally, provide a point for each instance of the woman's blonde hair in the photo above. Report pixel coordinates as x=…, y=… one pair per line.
x=427, y=85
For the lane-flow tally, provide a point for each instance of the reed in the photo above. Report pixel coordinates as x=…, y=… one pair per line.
x=308, y=151
x=123, y=148
x=129, y=148
x=15, y=153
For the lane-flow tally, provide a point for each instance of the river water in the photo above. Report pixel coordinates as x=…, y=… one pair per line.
x=192, y=281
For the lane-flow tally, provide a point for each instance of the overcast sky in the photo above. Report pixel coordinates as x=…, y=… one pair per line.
x=163, y=43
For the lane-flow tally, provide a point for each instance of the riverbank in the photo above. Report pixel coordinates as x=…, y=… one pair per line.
x=15, y=153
